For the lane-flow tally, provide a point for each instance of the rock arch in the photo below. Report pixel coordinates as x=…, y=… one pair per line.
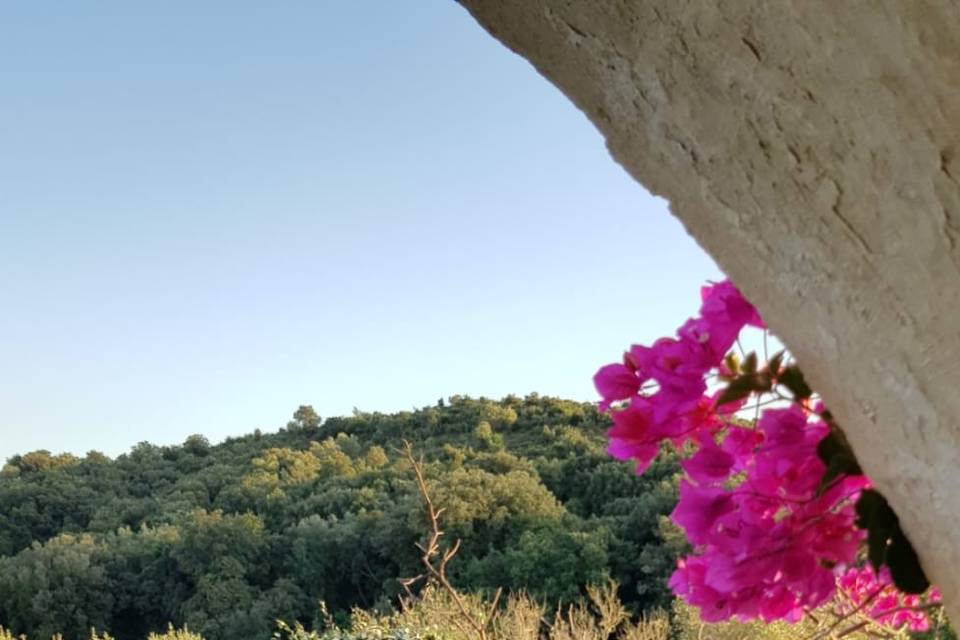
x=813, y=149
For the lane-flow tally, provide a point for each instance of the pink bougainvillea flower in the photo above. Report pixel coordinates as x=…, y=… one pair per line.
x=699, y=508
x=674, y=364
x=615, y=382
x=710, y=465
x=741, y=444
x=865, y=589
x=724, y=304
x=766, y=534
x=689, y=582
x=631, y=436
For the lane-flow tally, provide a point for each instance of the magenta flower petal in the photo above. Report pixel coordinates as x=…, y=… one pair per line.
x=615, y=382
x=710, y=465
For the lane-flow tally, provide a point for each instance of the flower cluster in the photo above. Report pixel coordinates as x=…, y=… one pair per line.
x=871, y=593
x=769, y=535
x=676, y=370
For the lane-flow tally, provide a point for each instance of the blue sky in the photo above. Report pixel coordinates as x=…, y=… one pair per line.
x=213, y=212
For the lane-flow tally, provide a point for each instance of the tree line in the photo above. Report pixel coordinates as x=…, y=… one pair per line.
x=228, y=538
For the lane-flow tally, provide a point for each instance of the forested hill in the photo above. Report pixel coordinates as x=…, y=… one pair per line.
x=228, y=538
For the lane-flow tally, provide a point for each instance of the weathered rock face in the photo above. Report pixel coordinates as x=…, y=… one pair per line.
x=813, y=149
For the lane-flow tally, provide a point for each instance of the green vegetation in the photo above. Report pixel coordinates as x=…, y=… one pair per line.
x=227, y=539
x=600, y=616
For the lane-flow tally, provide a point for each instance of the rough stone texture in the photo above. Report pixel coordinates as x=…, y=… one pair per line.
x=812, y=147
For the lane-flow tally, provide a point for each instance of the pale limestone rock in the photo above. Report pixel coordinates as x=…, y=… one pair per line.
x=812, y=147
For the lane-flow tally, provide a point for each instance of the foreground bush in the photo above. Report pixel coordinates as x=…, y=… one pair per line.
x=169, y=634
x=435, y=615
x=175, y=634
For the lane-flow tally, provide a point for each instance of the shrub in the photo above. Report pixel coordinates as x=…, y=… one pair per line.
x=175, y=634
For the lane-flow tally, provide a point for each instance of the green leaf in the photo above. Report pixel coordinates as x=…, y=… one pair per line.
x=840, y=465
x=887, y=544
x=828, y=448
x=877, y=542
x=750, y=363
x=738, y=389
x=742, y=386
x=875, y=515
x=774, y=364
x=872, y=511
x=835, y=452
x=792, y=378
x=733, y=363
x=905, y=569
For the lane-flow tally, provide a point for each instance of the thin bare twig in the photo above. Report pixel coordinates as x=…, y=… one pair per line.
x=841, y=618
x=435, y=558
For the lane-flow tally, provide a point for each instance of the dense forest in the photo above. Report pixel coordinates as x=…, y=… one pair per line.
x=229, y=538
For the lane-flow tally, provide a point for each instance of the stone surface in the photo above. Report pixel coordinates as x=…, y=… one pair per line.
x=812, y=147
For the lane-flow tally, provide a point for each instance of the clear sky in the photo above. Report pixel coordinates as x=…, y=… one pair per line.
x=213, y=212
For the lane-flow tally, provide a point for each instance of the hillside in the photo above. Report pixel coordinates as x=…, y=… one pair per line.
x=228, y=538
